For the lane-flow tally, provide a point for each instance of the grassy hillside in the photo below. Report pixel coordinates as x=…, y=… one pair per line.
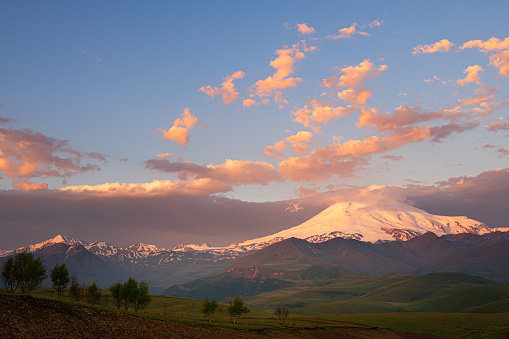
x=181, y=311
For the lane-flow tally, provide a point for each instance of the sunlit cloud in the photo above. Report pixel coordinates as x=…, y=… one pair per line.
x=305, y=29
x=25, y=155
x=227, y=90
x=299, y=143
x=231, y=172
x=284, y=65
x=491, y=45
x=348, y=33
x=249, y=103
x=502, y=124
x=501, y=62
x=353, y=81
x=473, y=75
x=376, y=23
x=180, y=129
x=318, y=114
x=442, y=46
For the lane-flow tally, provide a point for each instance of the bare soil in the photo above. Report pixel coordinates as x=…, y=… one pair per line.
x=26, y=317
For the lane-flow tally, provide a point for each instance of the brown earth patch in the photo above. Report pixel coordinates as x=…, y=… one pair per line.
x=26, y=317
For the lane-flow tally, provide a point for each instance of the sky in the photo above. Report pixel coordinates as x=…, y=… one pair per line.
x=171, y=122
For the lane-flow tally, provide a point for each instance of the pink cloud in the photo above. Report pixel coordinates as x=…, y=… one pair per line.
x=376, y=23
x=472, y=75
x=249, y=103
x=299, y=142
x=25, y=154
x=227, y=90
x=353, y=80
x=180, y=129
x=284, y=65
x=276, y=149
x=348, y=33
x=501, y=62
x=305, y=29
x=230, y=173
x=501, y=125
x=319, y=114
x=443, y=45
x=491, y=45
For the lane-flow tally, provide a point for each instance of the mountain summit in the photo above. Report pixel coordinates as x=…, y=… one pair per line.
x=389, y=220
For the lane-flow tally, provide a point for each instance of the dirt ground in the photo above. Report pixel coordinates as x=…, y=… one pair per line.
x=36, y=318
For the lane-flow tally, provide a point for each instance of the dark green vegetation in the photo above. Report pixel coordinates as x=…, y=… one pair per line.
x=60, y=278
x=23, y=271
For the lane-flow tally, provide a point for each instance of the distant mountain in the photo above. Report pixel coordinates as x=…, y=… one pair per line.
x=359, y=228
x=483, y=255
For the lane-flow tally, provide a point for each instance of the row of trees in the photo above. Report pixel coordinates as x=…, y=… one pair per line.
x=130, y=293
x=25, y=272
x=235, y=308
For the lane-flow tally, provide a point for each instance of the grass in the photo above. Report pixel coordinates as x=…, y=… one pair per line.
x=187, y=312
x=448, y=325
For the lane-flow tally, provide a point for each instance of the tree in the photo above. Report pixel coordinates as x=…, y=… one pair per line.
x=129, y=292
x=93, y=294
x=281, y=313
x=236, y=308
x=143, y=299
x=27, y=272
x=209, y=307
x=7, y=274
x=75, y=291
x=115, y=293
x=60, y=278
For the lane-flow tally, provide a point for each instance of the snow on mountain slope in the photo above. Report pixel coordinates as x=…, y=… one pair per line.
x=387, y=221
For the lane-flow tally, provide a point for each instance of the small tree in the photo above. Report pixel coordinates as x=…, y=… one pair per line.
x=60, y=278
x=209, y=307
x=143, y=299
x=28, y=272
x=7, y=274
x=75, y=291
x=129, y=292
x=282, y=313
x=93, y=294
x=115, y=294
x=236, y=308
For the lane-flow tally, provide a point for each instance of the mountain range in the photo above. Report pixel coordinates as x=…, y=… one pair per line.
x=342, y=227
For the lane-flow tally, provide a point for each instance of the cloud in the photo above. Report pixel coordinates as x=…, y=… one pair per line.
x=353, y=80
x=171, y=219
x=201, y=186
x=348, y=33
x=26, y=155
x=180, y=129
x=87, y=53
x=491, y=45
x=163, y=155
x=232, y=172
x=402, y=116
x=249, y=103
x=300, y=144
x=318, y=114
x=284, y=65
x=276, y=149
x=305, y=29
x=443, y=45
x=227, y=90
x=300, y=141
x=472, y=75
x=4, y=120
x=376, y=23
x=501, y=125
x=501, y=62
x=435, y=78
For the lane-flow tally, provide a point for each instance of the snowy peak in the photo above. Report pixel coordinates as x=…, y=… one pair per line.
x=386, y=221
x=145, y=248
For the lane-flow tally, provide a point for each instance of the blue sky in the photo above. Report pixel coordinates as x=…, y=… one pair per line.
x=108, y=78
